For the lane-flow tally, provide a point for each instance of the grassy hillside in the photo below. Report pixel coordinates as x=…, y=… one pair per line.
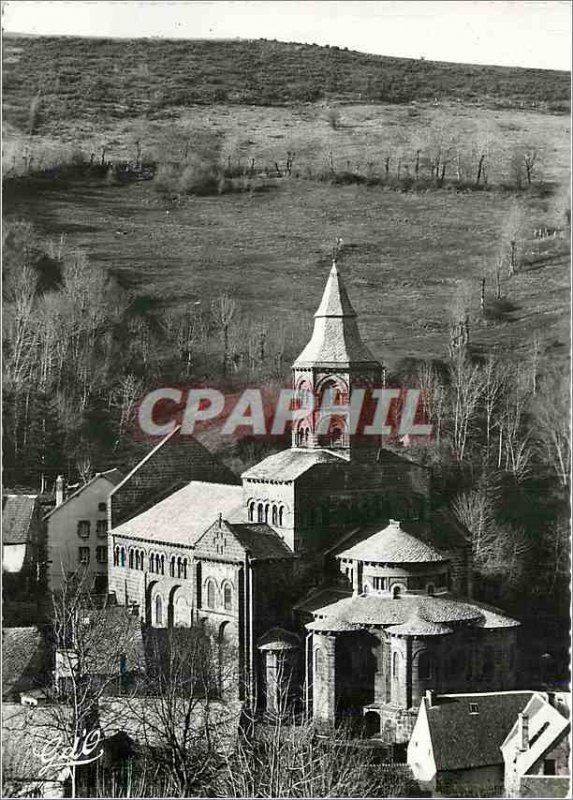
x=76, y=78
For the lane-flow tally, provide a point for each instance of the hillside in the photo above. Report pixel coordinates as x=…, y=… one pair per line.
x=91, y=78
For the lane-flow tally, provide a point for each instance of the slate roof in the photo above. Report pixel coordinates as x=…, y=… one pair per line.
x=26, y=730
x=17, y=514
x=335, y=339
x=228, y=541
x=185, y=515
x=290, y=464
x=545, y=786
x=375, y=609
x=462, y=740
x=278, y=639
x=392, y=545
x=23, y=660
x=114, y=476
x=418, y=625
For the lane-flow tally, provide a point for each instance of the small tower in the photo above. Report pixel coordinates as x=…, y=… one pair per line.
x=333, y=364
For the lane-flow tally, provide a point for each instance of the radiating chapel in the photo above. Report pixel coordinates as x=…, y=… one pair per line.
x=326, y=566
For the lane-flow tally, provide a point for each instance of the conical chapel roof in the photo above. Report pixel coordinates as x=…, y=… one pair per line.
x=335, y=340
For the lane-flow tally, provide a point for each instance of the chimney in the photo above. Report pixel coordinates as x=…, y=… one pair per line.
x=220, y=520
x=59, y=490
x=523, y=731
x=429, y=698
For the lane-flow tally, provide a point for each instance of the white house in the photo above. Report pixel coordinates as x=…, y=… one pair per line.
x=76, y=531
x=455, y=745
x=537, y=748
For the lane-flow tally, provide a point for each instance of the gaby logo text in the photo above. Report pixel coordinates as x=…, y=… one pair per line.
x=57, y=755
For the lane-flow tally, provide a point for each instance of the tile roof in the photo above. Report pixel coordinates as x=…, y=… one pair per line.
x=230, y=541
x=23, y=660
x=335, y=339
x=186, y=514
x=438, y=610
x=290, y=464
x=464, y=740
x=545, y=786
x=261, y=541
x=278, y=639
x=392, y=545
x=418, y=625
x=17, y=513
x=26, y=731
x=113, y=475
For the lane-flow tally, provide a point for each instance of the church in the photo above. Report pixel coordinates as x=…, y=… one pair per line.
x=325, y=566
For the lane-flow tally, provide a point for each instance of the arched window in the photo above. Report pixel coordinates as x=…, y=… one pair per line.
x=210, y=594
x=281, y=516
x=306, y=434
x=158, y=610
x=299, y=435
x=122, y=557
x=267, y=512
x=227, y=597
x=396, y=591
x=431, y=588
x=116, y=556
x=424, y=667
x=336, y=436
x=252, y=511
x=172, y=567
x=395, y=665
x=152, y=562
x=275, y=515
x=162, y=564
x=260, y=513
x=179, y=568
x=131, y=557
x=184, y=568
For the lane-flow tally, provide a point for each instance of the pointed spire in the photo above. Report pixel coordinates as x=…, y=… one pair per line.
x=335, y=301
x=335, y=339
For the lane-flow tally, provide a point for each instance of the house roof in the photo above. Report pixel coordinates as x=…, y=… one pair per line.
x=26, y=731
x=409, y=611
x=290, y=464
x=186, y=514
x=545, y=786
x=392, y=545
x=418, y=625
x=547, y=722
x=335, y=340
x=23, y=660
x=17, y=514
x=465, y=740
x=228, y=541
x=114, y=476
x=278, y=639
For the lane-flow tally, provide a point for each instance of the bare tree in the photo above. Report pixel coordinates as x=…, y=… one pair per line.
x=551, y=416
x=475, y=510
x=466, y=389
x=224, y=309
x=512, y=234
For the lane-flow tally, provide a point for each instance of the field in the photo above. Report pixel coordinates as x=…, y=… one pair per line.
x=407, y=256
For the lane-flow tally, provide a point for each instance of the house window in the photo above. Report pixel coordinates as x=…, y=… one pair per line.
x=102, y=507
x=184, y=568
x=161, y=567
x=84, y=528
x=474, y=708
x=549, y=767
x=158, y=610
x=252, y=511
x=101, y=528
x=396, y=591
x=101, y=554
x=379, y=583
x=130, y=558
x=281, y=517
x=260, y=513
x=275, y=515
x=116, y=557
x=152, y=562
x=172, y=567
x=210, y=594
x=84, y=555
x=122, y=557
x=227, y=598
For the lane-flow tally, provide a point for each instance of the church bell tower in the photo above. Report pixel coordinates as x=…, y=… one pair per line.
x=333, y=365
